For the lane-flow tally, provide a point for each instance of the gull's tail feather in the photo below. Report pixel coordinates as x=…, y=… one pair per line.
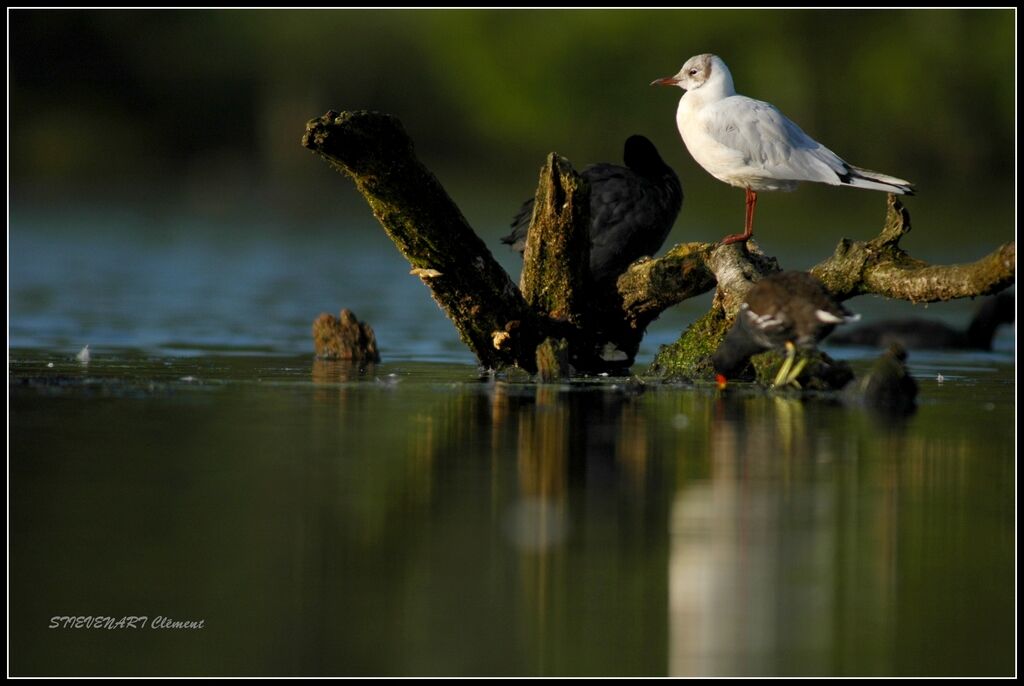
x=865, y=178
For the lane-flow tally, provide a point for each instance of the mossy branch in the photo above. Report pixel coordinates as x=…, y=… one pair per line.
x=879, y=266
x=649, y=287
x=734, y=268
x=421, y=219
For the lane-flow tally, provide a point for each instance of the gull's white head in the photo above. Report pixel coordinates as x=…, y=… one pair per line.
x=698, y=72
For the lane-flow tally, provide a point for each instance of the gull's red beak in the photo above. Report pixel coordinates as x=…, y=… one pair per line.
x=667, y=81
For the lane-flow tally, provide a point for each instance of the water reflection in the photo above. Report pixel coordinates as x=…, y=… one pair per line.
x=537, y=520
x=706, y=534
x=797, y=553
x=340, y=371
x=742, y=596
x=408, y=519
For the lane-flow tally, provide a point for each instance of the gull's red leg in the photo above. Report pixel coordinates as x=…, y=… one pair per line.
x=748, y=222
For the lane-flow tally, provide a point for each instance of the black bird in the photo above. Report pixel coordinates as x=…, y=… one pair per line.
x=632, y=209
x=783, y=310
x=925, y=334
x=888, y=388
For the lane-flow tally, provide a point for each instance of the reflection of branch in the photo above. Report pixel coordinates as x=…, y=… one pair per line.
x=881, y=267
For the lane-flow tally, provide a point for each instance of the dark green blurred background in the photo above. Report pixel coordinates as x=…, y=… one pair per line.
x=418, y=519
x=200, y=112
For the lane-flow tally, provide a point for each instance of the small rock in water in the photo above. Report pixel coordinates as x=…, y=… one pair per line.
x=344, y=338
x=83, y=355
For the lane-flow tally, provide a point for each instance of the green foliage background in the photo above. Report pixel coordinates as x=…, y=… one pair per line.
x=202, y=110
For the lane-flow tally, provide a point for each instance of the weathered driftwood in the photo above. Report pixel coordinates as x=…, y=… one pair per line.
x=344, y=338
x=430, y=231
x=881, y=267
x=557, y=254
x=878, y=266
x=733, y=268
x=649, y=287
x=601, y=325
x=553, y=360
x=501, y=326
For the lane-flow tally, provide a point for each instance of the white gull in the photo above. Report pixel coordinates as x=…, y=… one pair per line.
x=750, y=144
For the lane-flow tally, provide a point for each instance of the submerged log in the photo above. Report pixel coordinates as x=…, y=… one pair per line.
x=601, y=324
x=344, y=338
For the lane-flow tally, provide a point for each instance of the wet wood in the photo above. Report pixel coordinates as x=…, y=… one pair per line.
x=557, y=255
x=880, y=267
x=601, y=325
x=429, y=230
x=344, y=338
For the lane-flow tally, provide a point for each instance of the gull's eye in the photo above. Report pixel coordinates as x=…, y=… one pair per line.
x=693, y=72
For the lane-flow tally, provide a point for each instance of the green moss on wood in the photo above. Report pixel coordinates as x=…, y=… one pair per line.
x=881, y=267
x=344, y=338
x=553, y=360
x=430, y=231
x=821, y=373
x=690, y=357
x=649, y=287
x=557, y=255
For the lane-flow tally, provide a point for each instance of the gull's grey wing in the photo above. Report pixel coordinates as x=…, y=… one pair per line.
x=766, y=139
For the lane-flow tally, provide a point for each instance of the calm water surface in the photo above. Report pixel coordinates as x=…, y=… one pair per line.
x=419, y=517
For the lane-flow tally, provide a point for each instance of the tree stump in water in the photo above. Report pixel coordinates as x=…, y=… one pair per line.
x=344, y=338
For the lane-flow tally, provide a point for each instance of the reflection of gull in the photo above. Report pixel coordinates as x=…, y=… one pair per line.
x=750, y=144
x=534, y=525
x=752, y=552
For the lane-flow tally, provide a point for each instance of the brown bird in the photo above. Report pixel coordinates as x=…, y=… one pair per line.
x=784, y=310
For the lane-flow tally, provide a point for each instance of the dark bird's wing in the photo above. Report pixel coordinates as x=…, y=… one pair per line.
x=630, y=216
x=520, y=227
